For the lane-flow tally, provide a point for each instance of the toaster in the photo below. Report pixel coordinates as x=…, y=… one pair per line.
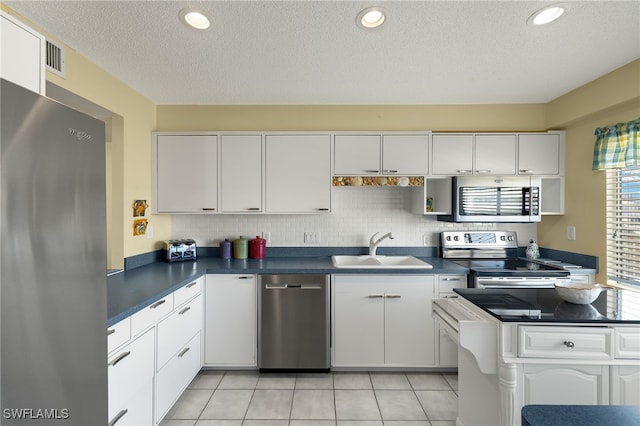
x=179, y=250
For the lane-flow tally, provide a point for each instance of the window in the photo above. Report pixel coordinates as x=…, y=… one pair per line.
x=623, y=231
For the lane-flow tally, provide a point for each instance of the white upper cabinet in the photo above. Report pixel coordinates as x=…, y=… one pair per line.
x=452, y=154
x=495, y=154
x=186, y=173
x=298, y=173
x=405, y=154
x=357, y=155
x=241, y=173
x=386, y=154
x=22, y=51
x=540, y=154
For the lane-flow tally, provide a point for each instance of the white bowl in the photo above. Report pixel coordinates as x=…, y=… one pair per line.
x=578, y=293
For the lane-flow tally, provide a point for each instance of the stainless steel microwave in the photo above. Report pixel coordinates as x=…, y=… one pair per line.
x=494, y=199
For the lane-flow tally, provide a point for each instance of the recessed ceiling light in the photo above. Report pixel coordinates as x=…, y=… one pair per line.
x=195, y=19
x=547, y=15
x=371, y=17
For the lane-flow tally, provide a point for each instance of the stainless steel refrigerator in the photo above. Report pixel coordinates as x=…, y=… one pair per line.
x=53, y=345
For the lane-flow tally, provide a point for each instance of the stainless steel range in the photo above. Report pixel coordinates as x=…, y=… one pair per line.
x=493, y=262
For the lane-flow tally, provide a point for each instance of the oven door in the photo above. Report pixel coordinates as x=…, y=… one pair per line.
x=517, y=282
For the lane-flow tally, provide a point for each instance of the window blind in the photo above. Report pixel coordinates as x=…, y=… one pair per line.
x=623, y=233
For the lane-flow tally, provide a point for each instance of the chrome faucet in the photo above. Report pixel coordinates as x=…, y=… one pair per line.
x=373, y=244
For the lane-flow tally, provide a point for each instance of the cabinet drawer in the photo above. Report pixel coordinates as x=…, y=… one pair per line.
x=150, y=315
x=137, y=410
x=175, y=330
x=565, y=342
x=627, y=343
x=446, y=283
x=176, y=375
x=128, y=370
x=118, y=334
x=187, y=292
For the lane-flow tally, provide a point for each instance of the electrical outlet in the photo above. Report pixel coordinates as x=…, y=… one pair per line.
x=267, y=236
x=571, y=233
x=425, y=240
x=149, y=232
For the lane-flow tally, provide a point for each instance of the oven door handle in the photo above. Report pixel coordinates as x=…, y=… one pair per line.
x=507, y=283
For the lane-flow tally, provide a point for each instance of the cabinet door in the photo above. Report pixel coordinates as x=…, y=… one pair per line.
x=231, y=320
x=358, y=321
x=495, y=154
x=539, y=154
x=625, y=385
x=356, y=155
x=405, y=154
x=409, y=329
x=187, y=173
x=22, y=54
x=566, y=384
x=175, y=330
x=241, y=173
x=298, y=173
x=138, y=410
x=452, y=154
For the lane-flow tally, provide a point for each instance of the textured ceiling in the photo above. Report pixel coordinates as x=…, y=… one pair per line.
x=311, y=52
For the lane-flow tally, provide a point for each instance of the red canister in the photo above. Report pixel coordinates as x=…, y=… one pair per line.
x=257, y=248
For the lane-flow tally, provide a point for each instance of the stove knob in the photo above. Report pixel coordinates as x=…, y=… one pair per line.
x=501, y=237
x=510, y=238
x=455, y=238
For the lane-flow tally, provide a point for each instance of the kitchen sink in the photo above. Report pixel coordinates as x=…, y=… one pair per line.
x=379, y=262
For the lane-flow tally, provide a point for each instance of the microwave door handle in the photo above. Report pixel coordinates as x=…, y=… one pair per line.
x=526, y=201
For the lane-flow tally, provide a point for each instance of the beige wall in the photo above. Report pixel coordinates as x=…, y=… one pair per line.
x=611, y=99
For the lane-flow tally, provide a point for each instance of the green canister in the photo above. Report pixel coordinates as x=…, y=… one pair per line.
x=240, y=248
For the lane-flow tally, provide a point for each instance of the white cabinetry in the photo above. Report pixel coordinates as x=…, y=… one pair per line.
x=565, y=384
x=381, y=154
x=465, y=154
x=231, y=318
x=298, y=173
x=153, y=356
x=241, y=173
x=452, y=154
x=625, y=385
x=447, y=348
x=540, y=154
x=130, y=380
x=185, y=173
x=22, y=54
x=495, y=154
x=383, y=321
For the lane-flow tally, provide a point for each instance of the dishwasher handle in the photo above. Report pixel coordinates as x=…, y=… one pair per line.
x=285, y=286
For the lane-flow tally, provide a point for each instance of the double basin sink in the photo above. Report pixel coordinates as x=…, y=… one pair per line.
x=379, y=262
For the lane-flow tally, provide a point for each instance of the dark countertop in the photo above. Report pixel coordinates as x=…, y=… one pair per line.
x=580, y=415
x=554, y=308
x=134, y=289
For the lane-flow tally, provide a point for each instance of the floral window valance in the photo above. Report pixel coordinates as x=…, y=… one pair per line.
x=617, y=146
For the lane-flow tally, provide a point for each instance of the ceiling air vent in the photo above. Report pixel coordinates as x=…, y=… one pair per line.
x=56, y=59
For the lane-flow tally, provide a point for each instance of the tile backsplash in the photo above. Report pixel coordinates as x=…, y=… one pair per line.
x=357, y=213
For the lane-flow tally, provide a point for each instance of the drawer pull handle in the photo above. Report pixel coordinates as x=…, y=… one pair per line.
x=393, y=296
x=245, y=278
x=184, y=351
x=120, y=358
x=526, y=171
x=390, y=171
x=254, y=209
x=155, y=305
x=111, y=331
x=323, y=209
x=118, y=417
x=375, y=296
x=191, y=284
x=569, y=344
x=184, y=310
x=372, y=171
x=209, y=209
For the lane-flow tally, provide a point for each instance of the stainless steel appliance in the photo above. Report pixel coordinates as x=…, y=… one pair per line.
x=179, y=250
x=294, y=322
x=493, y=261
x=53, y=316
x=494, y=199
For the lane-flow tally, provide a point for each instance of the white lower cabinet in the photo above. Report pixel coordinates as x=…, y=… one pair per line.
x=566, y=384
x=231, y=321
x=130, y=370
x=447, y=347
x=174, y=377
x=153, y=357
x=625, y=385
x=383, y=321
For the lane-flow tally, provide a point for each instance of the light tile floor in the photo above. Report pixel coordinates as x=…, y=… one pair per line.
x=216, y=398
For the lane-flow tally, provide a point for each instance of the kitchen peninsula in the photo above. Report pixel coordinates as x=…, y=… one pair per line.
x=547, y=352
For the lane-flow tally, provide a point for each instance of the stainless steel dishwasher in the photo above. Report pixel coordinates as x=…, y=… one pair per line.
x=294, y=322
